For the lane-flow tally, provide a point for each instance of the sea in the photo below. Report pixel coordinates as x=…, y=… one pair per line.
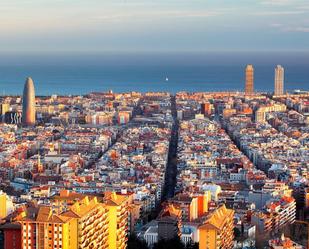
x=83, y=72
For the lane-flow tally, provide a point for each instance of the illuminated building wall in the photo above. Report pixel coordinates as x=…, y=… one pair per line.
x=218, y=230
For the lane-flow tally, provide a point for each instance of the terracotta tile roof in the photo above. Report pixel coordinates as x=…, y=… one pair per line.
x=217, y=219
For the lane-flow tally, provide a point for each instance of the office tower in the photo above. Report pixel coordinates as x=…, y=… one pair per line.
x=279, y=80
x=249, y=88
x=3, y=207
x=28, y=103
x=218, y=229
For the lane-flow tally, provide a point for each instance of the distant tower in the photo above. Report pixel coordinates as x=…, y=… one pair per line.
x=279, y=80
x=28, y=103
x=249, y=88
x=39, y=168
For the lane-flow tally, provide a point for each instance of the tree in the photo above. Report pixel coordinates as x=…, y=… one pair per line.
x=237, y=232
x=136, y=243
x=192, y=245
x=174, y=243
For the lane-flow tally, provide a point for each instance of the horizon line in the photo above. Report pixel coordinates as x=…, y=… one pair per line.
x=115, y=51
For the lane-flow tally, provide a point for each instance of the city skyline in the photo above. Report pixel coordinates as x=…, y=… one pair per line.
x=213, y=169
x=159, y=124
x=249, y=87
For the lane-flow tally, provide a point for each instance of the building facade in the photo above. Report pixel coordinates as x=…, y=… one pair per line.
x=218, y=230
x=28, y=118
x=74, y=221
x=11, y=236
x=3, y=208
x=279, y=80
x=118, y=217
x=169, y=223
x=249, y=88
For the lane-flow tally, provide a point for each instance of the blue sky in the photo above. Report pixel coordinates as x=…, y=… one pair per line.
x=154, y=25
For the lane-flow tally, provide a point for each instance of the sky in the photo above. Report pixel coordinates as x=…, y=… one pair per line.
x=154, y=25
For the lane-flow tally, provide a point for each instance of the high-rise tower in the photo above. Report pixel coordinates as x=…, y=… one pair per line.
x=279, y=80
x=28, y=103
x=249, y=88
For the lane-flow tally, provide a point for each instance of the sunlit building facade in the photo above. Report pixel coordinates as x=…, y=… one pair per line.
x=279, y=80
x=3, y=208
x=249, y=87
x=41, y=229
x=28, y=118
x=218, y=230
x=118, y=216
x=86, y=224
x=92, y=226
x=4, y=108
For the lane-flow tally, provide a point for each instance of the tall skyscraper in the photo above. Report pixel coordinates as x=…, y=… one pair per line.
x=28, y=103
x=249, y=88
x=279, y=80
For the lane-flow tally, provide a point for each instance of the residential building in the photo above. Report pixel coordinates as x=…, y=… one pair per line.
x=118, y=216
x=169, y=223
x=218, y=229
x=3, y=207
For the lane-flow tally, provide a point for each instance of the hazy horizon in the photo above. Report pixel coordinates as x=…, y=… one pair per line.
x=81, y=73
x=76, y=46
